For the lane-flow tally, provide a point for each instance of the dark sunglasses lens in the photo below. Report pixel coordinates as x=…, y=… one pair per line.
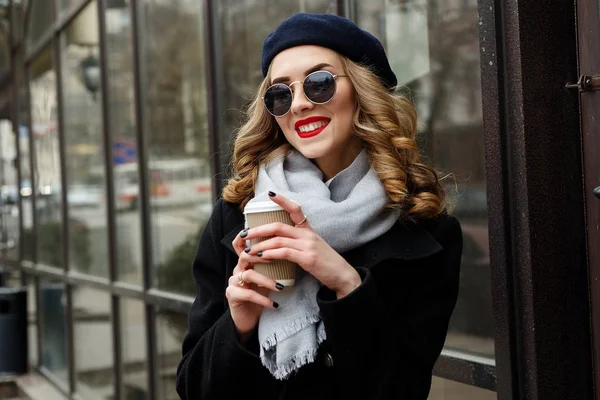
x=319, y=87
x=278, y=99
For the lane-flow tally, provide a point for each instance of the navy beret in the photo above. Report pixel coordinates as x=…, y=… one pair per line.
x=334, y=32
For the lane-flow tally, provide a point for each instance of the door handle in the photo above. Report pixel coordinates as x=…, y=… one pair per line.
x=586, y=83
x=597, y=192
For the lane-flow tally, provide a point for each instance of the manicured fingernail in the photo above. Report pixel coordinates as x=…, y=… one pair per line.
x=279, y=286
x=259, y=254
x=247, y=249
x=272, y=194
x=244, y=233
x=275, y=304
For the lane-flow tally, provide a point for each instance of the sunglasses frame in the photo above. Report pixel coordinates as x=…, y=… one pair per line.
x=335, y=76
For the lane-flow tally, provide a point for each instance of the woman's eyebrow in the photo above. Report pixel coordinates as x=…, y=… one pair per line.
x=317, y=67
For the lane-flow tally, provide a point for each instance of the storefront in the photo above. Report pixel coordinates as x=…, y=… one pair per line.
x=116, y=119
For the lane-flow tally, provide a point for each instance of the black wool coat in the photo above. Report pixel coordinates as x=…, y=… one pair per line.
x=382, y=339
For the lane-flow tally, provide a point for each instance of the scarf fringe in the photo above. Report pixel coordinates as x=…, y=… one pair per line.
x=288, y=330
x=284, y=369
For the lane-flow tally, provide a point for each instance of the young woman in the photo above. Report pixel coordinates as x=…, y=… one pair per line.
x=328, y=140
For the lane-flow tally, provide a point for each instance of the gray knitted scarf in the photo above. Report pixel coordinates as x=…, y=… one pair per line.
x=346, y=211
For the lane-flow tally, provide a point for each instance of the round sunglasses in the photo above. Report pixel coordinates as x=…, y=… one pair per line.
x=319, y=88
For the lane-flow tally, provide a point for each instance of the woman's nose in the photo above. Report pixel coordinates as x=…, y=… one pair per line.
x=299, y=100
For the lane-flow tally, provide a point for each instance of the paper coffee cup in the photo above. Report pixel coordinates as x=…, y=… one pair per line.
x=265, y=212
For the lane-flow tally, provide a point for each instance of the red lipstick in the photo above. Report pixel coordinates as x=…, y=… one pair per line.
x=310, y=120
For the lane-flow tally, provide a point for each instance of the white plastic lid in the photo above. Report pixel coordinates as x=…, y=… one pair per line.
x=261, y=206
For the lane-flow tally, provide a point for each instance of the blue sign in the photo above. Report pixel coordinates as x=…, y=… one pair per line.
x=124, y=152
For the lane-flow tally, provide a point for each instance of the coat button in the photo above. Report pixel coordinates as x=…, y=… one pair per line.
x=328, y=360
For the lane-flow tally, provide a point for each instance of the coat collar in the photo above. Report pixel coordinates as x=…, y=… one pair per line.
x=405, y=240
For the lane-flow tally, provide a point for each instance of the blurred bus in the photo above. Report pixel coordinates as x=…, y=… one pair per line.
x=172, y=183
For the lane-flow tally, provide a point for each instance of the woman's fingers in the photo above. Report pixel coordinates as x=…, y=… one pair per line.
x=250, y=276
x=275, y=242
x=291, y=207
x=236, y=293
x=239, y=243
x=274, y=229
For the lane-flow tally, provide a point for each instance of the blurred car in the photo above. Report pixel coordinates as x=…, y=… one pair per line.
x=85, y=196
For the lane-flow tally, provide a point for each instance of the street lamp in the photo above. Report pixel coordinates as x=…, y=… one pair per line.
x=90, y=72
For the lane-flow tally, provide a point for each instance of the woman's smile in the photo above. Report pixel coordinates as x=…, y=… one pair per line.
x=312, y=126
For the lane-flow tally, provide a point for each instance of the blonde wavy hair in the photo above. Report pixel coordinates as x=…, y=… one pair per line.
x=385, y=122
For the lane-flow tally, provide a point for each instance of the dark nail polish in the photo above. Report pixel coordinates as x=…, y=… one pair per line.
x=259, y=254
x=279, y=286
x=272, y=194
x=247, y=249
x=275, y=304
x=244, y=233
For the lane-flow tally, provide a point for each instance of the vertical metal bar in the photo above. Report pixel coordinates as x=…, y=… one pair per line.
x=144, y=199
x=213, y=98
x=494, y=123
x=110, y=201
x=340, y=7
x=38, y=320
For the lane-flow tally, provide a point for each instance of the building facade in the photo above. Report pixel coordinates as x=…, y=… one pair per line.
x=116, y=124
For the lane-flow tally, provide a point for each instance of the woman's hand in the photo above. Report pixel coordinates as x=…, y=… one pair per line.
x=247, y=291
x=302, y=245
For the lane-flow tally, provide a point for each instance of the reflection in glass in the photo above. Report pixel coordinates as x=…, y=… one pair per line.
x=9, y=192
x=25, y=187
x=135, y=358
x=92, y=330
x=5, y=45
x=170, y=330
x=84, y=149
x=32, y=321
x=47, y=185
x=53, y=328
x=41, y=16
x=63, y=5
x=124, y=150
x=433, y=47
x=178, y=154
x=443, y=389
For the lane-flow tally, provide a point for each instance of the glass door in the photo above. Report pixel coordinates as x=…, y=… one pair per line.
x=588, y=12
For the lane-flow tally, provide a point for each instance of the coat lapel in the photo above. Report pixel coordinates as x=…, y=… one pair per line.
x=405, y=240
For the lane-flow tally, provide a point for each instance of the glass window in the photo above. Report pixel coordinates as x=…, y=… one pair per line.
x=92, y=324
x=25, y=187
x=41, y=17
x=9, y=278
x=177, y=137
x=243, y=26
x=170, y=330
x=433, y=47
x=9, y=192
x=53, y=327
x=65, y=4
x=443, y=389
x=124, y=149
x=134, y=353
x=47, y=178
x=83, y=136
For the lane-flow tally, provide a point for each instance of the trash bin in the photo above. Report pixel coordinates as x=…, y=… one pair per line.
x=13, y=331
x=4, y=276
